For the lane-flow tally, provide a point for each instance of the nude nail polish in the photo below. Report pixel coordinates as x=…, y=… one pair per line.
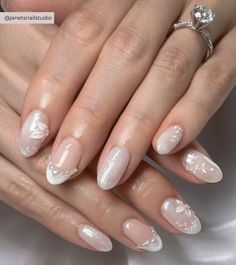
x=201, y=166
x=145, y=237
x=169, y=139
x=113, y=167
x=180, y=215
x=95, y=238
x=64, y=161
x=33, y=133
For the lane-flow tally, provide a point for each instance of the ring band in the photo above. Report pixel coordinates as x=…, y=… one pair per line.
x=202, y=16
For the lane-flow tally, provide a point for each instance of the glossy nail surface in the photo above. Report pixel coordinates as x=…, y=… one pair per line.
x=95, y=238
x=145, y=237
x=169, y=139
x=201, y=166
x=33, y=133
x=113, y=167
x=64, y=162
x=181, y=216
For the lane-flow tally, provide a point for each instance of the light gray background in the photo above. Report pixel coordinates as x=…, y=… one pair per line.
x=24, y=242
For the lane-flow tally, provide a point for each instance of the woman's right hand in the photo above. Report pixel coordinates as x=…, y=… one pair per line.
x=79, y=211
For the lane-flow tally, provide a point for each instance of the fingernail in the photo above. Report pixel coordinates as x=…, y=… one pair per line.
x=181, y=216
x=113, y=167
x=169, y=139
x=64, y=162
x=201, y=167
x=145, y=237
x=4, y=5
x=33, y=133
x=95, y=238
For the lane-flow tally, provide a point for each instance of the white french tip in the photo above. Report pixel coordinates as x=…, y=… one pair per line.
x=56, y=177
x=154, y=245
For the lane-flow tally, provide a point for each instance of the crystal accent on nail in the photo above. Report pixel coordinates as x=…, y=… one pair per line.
x=184, y=209
x=193, y=167
x=39, y=131
x=153, y=244
x=177, y=136
x=202, y=14
x=58, y=172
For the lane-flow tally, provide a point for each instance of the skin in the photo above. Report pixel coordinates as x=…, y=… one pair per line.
x=114, y=50
x=62, y=209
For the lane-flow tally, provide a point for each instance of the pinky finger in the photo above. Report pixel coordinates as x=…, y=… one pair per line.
x=210, y=87
x=23, y=194
x=192, y=164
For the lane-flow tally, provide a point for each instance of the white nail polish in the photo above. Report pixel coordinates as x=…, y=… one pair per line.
x=55, y=176
x=201, y=166
x=113, y=168
x=95, y=238
x=33, y=133
x=169, y=139
x=181, y=216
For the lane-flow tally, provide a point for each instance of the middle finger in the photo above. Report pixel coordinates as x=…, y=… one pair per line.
x=121, y=66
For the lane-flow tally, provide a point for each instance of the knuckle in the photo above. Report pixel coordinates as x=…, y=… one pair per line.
x=51, y=80
x=56, y=213
x=128, y=44
x=91, y=110
x=200, y=107
x=216, y=78
x=141, y=116
x=17, y=189
x=172, y=62
x=105, y=205
x=83, y=26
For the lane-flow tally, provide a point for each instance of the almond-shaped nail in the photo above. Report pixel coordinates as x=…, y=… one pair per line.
x=145, y=237
x=169, y=139
x=201, y=166
x=181, y=216
x=33, y=133
x=64, y=161
x=113, y=167
x=95, y=238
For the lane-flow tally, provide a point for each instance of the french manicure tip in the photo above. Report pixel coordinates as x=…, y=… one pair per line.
x=154, y=244
x=56, y=176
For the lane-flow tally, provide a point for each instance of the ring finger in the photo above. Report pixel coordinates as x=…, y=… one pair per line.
x=166, y=82
x=122, y=64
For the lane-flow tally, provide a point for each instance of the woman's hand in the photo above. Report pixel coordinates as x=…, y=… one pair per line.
x=79, y=211
x=119, y=52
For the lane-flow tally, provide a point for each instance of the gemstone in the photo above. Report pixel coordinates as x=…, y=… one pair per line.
x=203, y=14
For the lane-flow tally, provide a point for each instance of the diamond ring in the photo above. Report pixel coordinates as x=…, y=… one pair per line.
x=202, y=16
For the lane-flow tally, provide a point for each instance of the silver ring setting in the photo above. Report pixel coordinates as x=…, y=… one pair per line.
x=202, y=17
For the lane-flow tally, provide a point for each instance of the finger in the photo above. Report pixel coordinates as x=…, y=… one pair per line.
x=147, y=187
x=215, y=80
x=87, y=186
x=61, y=8
x=111, y=214
x=22, y=193
x=89, y=121
x=59, y=77
x=192, y=163
x=20, y=62
x=165, y=83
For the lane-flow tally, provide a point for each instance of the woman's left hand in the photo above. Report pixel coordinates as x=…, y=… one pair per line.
x=122, y=50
